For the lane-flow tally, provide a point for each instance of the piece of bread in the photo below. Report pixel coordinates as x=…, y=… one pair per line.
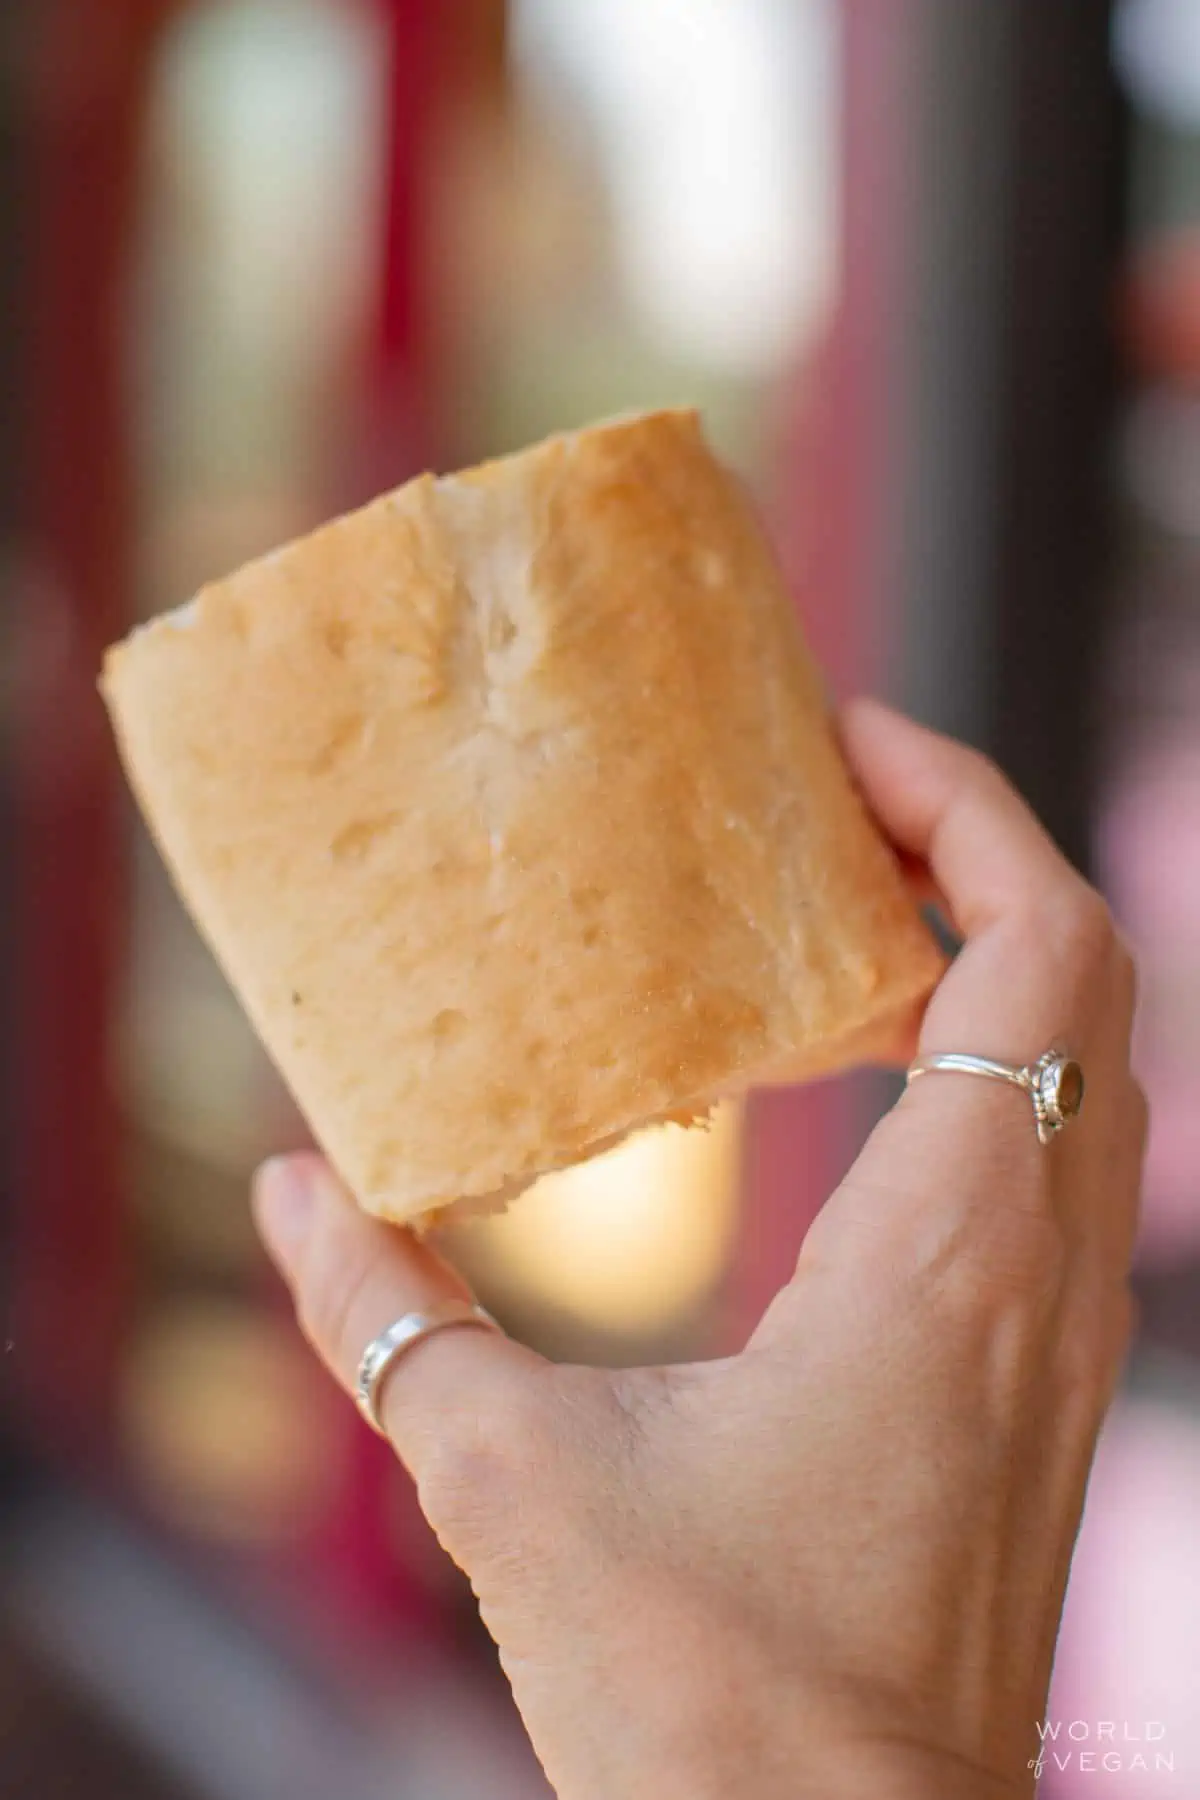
x=511, y=808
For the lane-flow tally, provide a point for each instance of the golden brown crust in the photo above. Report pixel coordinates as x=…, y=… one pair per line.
x=511, y=808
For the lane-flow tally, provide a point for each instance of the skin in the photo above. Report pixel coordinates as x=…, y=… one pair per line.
x=832, y=1565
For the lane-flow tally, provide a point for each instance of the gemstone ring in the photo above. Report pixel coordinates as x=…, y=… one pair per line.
x=1054, y=1082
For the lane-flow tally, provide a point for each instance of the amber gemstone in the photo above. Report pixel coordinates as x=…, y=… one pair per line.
x=1068, y=1089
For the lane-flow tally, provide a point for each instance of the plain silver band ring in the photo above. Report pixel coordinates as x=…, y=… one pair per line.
x=383, y=1352
x=1054, y=1082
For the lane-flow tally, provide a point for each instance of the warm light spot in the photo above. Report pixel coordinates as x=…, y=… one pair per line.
x=218, y=1422
x=631, y=1241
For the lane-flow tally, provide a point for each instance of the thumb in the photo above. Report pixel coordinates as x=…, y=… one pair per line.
x=351, y=1277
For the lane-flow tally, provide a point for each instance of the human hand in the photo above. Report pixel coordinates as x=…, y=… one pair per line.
x=833, y=1564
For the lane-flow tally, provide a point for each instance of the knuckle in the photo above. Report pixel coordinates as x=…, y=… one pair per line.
x=1090, y=924
x=1080, y=927
x=982, y=771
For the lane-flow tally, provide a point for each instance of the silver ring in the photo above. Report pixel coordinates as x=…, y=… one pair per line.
x=1054, y=1082
x=383, y=1352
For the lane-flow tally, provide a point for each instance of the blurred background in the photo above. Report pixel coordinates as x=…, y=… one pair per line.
x=932, y=269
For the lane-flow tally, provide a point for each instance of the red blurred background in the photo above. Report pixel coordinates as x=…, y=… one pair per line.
x=932, y=268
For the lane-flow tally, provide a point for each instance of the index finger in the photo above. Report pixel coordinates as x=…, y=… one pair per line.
x=1042, y=966
x=949, y=806
x=1042, y=960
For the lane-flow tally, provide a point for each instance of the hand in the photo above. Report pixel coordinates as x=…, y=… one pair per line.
x=833, y=1564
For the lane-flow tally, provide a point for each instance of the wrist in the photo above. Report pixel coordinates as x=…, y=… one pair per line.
x=854, y=1772
x=866, y=1771
x=776, y=1741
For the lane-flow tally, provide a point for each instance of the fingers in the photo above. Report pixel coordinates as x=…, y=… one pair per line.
x=351, y=1277
x=1042, y=960
x=1042, y=964
x=947, y=805
x=1054, y=973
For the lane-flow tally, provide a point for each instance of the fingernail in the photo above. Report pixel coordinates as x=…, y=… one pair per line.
x=283, y=1202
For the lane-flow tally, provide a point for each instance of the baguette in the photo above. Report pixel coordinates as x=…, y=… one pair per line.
x=511, y=807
